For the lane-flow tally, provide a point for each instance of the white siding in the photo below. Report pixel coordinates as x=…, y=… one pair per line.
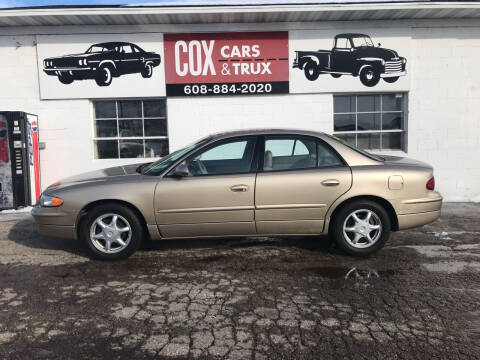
x=443, y=119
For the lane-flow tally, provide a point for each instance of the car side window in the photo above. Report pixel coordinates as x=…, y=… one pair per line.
x=126, y=49
x=343, y=43
x=326, y=156
x=233, y=156
x=289, y=153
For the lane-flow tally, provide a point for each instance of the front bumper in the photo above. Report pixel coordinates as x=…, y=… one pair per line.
x=55, y=221
x=393, y=74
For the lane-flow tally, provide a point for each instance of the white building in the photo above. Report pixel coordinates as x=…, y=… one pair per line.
x=431, y=112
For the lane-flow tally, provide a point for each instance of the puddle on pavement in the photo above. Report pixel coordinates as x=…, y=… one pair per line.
x=332, y=272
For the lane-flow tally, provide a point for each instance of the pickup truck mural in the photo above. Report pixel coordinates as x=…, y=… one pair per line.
x=102, y=62
x=352, y=54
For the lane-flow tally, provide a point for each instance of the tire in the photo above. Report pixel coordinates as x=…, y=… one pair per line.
x=104, y=76
x=391, y=80
x=336, y=76
x=147, y=71
x=311, y=70
x=95, y=235
x=369, y=76
x=343, y=225
x=65, y=78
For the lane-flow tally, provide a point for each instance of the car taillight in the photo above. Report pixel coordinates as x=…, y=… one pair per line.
x=431, y=184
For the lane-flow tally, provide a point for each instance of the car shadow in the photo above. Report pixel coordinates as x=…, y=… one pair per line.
x=312, y=243
x=25, y=233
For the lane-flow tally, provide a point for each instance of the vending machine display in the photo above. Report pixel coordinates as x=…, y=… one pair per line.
x=19, y=160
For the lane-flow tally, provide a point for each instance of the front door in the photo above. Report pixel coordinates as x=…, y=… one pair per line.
x=342, y=58
x=301, y=177
x=216, y=199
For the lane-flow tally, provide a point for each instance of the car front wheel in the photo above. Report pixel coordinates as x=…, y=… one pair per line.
x=369, y=76
x=391, y=79
x=361, y=228
x=65, y=78
x=111, y=232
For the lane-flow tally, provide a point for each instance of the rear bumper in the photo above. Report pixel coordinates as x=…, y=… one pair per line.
x=414, y=220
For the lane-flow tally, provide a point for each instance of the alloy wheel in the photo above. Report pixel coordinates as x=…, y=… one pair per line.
x=110, y=233
x=362, y=228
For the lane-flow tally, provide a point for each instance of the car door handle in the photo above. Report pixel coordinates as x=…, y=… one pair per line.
x=330, y=182
x=239, y=188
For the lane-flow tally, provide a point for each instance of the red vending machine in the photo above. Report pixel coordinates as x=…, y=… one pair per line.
x=19, y=160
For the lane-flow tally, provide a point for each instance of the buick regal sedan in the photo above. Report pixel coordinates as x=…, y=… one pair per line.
x=245, y=183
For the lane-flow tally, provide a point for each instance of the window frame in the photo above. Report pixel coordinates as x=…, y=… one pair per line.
x=219, y=142
x=118, y=138
x=317, y=140
x=381, y=131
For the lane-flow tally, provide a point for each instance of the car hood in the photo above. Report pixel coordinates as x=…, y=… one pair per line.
x=398, y=160
x=116, y=173
x=81, y=55
x=376, y=52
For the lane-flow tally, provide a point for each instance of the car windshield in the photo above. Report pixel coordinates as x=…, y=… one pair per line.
x=157, y=167
x=98, y=48
x=361, y=151
x=362, y=41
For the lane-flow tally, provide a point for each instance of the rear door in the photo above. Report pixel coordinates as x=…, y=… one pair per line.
x=217, y=198
x=300, y=178
x=129, y=60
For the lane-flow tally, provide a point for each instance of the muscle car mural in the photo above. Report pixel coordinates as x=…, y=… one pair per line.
x=353, y=54
x=102, y=62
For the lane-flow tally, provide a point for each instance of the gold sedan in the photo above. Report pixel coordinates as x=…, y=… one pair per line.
x=245, y=183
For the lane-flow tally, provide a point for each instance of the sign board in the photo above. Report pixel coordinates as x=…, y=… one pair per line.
x=101, y=65
x=242, y=63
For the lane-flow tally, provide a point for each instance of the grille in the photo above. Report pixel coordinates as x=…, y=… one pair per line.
x=393, y=66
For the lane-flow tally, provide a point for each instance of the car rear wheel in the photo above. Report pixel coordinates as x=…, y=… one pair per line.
x=147, y=71
x=311, y=71
x=103, y=76
x=111, y=232
x=361, y=228
x=391, y=79
x=369, y=76
x=65, y=78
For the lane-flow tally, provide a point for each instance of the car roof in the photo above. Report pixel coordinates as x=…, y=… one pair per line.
x=245, y=132
x=113, y=43
x=347, y=35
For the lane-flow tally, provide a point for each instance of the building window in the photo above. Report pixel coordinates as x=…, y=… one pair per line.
x=371, y=122
x=130, y=129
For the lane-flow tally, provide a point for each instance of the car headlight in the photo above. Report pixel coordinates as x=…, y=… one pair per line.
x=49, y=201
x=80, y=62
x=404, y=60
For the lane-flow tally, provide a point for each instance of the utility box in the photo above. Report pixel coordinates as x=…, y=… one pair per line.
x=19, y=160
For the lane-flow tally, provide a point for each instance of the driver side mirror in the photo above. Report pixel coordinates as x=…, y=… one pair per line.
x=180, y=171
x=379, y=44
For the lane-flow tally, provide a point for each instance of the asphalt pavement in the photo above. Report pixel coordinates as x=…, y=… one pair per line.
x=262, y=298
